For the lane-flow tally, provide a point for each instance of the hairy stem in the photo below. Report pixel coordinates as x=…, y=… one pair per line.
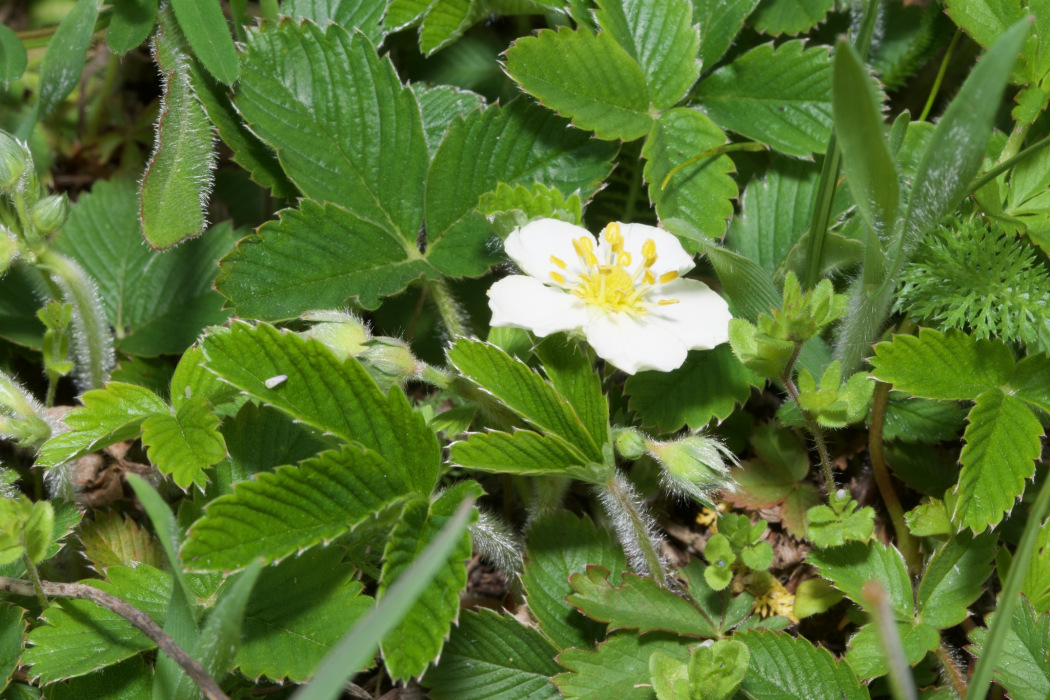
x=140, y=620
x=34, y=576
x=634, y=525
x=449, y=309
x=814, y=428
x=952, y=673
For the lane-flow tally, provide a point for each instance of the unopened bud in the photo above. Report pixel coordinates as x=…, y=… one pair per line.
x=630, y=444
x=343, y=333
x=14, y=159
x=388, y=360
x=695, y=465
x=50, y=213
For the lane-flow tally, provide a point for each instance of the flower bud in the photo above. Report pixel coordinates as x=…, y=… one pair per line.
x=50, y=213
x=694, y=466
x=630, y=444
x=14, y=159
x=388, y=360
x=343, y=333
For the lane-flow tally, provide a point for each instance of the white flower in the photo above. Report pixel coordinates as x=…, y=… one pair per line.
x=627, y=296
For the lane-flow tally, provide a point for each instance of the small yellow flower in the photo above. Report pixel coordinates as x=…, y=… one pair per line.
x=776, y=601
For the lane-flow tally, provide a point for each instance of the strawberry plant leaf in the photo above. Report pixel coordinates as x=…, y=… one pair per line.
x=186, y=443
x=1037, y=579
x=618, y=667
x=12, y=640
x=112, y=540
x=719, y=22
x=853, y=565
x=1022, y=669
x=439, y=105
x=349, y=14
x=127, y=680
x=782, y=666
x=776, y=18
x=953, y=579
x=867, y=656
x=521, y=452
x=570, y=369
x=1028, y=382
x=912, y=419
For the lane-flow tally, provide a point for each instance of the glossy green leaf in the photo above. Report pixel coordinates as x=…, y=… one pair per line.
x=618, y=667
x=867, y=655
x=208, y=34
x=186, y=443
x=587, y=77
x=131, y=24
x=64, y=58
x=953, y=579
x=776, y=17
x=439, y=105
x=335, y=491
x=12, y=641
x=922, y=420
x=777, y=96
x=570, y=369
x=191, y=380
x=939, y=365
x=661, y=38
x=127, y=680
x=559, y=545
x=418, y=638
x=349, y=14
x=523, y=452
x=1028, y=382
x=854, y=564
x=1023, y=667
x=700, y=193
x=1002, y=442
x=493, y=657
x=786, y=666
x=708, y=386
x=719, y=22
x=512, y=382
x=638, y=603
x=1037, y=579
x=13, y=57
x=174, y=192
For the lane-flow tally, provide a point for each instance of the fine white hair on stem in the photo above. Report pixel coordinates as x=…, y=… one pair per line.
x=497, y=543
x=632, y=522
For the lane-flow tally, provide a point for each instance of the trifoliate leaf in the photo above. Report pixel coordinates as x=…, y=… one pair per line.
x=853, y=565
x=618, y=667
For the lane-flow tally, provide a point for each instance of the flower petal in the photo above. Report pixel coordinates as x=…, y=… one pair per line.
x=533, y=245
x=634, y=345
x=670, y=256
x=525, y=302
x=700, y=318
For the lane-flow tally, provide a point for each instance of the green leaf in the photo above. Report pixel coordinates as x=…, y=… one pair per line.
x=716, y=671
x=349, y=14
x=523, y=452
x=191, y=380
x=326, y=393
x=401, y=14
x=619, y=667
x=186, y=443
x=853, y=565
x=131, y=24
x=719, y=22
x=639, y=603
x=785, y=666
x=709, y=385
x=870, y=169
x=776, y=212
x=512, y=382
x=13, y=57
x=335, y=491
x=700, y=193
x=560, y=544
x=1028, y=382
x=174, y=190
x=64, y=58
x=570, y=369
x=419, y=637
x=160, y=302
x=511, y=207
x=12, y=640
x=776, y=17
x=208, y=34
x=80, y=636
x=1002, y=442
x=445, y=21
x=108, y=416
x=127, y=680
x=777, y=96
x=661, y=38
x=938, y=365
x=867, y=655
x=953, y=578
x=493, y=657
x=439, y=106
x=111, y=540
x=297, y=612
x=1022, y=668
x=921, y=420
x=1037, y=579
x=984, y=20
x=587, y=77
x=38, y=531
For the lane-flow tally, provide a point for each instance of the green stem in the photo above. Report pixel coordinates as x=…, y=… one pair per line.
x=449, y=309
x=940, y=75
x=951, y=671
x=1008, y=598
x=1014, y=143
x=635, y=527
x=1009, y=163
x=814, y=428
x=34, y=576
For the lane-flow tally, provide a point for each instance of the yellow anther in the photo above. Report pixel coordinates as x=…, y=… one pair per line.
x=584, y=246
x=667, y=302
x=559, y=262
x=558, y=277
x=649, y=252
x=668, y=276
x=614, y=237
x=650, y=278
x=624, y=259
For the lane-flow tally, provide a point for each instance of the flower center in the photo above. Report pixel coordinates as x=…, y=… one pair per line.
x=611, y=284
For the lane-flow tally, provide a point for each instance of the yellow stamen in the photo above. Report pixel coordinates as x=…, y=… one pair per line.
x=667, y=302
x=650, y=278
x=624, y=259
x=559, y=262
x=668, y=276
x=558, y=277
x=649, y=252
x=614, y=237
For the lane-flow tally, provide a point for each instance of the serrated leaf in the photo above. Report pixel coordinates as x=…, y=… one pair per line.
x=661, y=38
x=1037, y=579
x=618, y=667
x=23, y=691
x=587, y=77
x=191, y=380
x=12, y=640
x=81, y=636
x=334, y=492
x=513, y=383
x=523, y=452
x=108, y=416
x=1028, y=382
x=700, y=193
x=709, y=385
x=510, y=207
x=777, y=96
x=175, y=187
x=493, y=657
x=445, y=21
x=560, y=544
x=1024, y=660
x=186, y=443
x=638, y=603
x=418, y=639
x=719, y=22
x=937, y=365
x=13, y=57
x=920, y=420
x=853, y=565
x=776, y=17
x=570, y=369
x=785, y=666
x=1002, y=442
x=326, y=393
x=439, y=105
x=112, y=540
x=349, y=14
x=160, y=301
x=953, y=578
x=131, y=24
x=867, y=655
